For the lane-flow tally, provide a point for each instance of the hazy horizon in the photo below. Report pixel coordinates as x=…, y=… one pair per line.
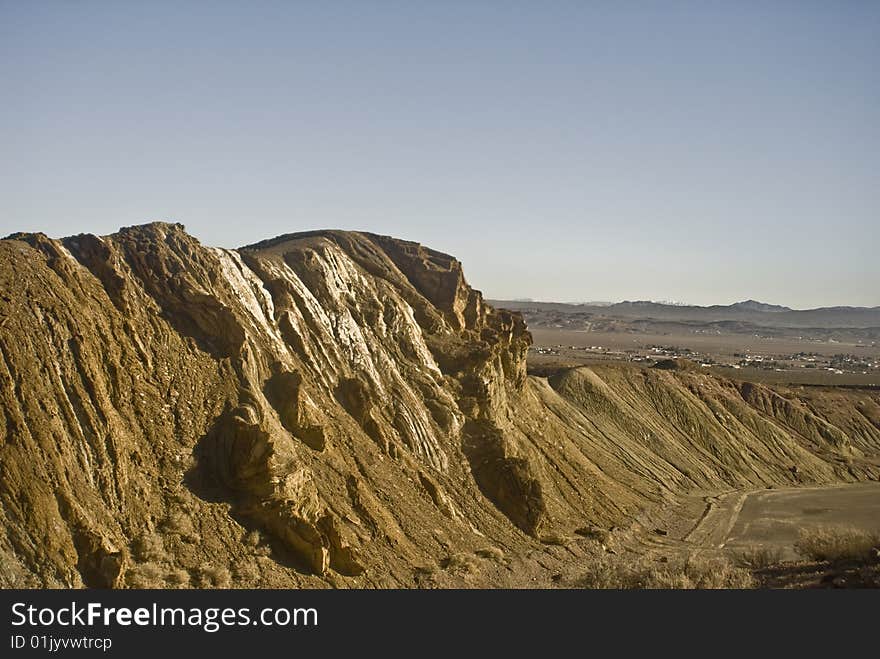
x=562, y=151
x=682, y=303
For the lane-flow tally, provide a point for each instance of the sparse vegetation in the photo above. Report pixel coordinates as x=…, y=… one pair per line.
x=154, y=575
x=492, y=553
x=145, y=575
x=256, y=540
x=555, y=539
x=758, y=558
x=837, y=544
x=178, y=578
x=695, y=572
x=180, y=523
x=212, y=576
x=461, y=564
x=246, y=574
x=253, y=538
x=148, y=547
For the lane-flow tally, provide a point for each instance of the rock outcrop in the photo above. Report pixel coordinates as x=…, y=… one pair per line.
x=332, y=408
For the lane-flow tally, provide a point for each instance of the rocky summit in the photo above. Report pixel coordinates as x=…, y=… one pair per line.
x=341, y=409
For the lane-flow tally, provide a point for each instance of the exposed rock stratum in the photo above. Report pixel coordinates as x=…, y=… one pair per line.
x=335, y=408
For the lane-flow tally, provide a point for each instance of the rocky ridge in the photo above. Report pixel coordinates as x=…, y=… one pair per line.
x=338, y=409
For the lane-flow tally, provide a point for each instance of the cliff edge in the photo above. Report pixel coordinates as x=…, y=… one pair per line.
x=334, y=409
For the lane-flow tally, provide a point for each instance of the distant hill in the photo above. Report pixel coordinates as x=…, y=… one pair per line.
x=754, y=305
x=751, y=313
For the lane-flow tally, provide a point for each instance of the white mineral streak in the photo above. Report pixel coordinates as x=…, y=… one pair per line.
x=320, y=320
x=83, y=444
x=66, y=252
x=342, y=278
x=413, y=334
x=253, y=297
x=419, y=436
x=332, y=338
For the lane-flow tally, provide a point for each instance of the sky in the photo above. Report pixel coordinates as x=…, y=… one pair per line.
x=705, y=152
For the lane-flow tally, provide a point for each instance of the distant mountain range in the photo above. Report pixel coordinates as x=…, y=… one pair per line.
x=749, y=313
x=746, y=305
x=754, y=305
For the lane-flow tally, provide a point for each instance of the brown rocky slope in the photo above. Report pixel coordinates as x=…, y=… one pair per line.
x=333, y=408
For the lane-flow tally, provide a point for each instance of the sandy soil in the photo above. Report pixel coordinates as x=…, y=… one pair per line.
x=732, y=521
x=775, y=517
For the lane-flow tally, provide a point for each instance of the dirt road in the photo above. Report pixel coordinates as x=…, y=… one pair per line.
x=774, y=518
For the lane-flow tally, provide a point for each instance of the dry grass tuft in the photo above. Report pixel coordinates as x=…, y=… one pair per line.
x=212, y=576
x=180, y=523
x=149, y=547
x=246, y=574
x=695, y=572
x=145, y=575
x=178, y=578
x=758, y=558
x=462, y=564
x=837, y=544
x=492, y=553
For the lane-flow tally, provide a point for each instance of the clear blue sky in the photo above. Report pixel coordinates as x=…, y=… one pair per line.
x=698, y=151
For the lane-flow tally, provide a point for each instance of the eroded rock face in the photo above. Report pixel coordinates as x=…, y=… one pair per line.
x=330, y=408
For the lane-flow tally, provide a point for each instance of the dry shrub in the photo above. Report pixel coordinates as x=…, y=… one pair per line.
x=145, y=575
x=246, y=573
x=596, y=534
x=716, y=573
x=256, y=540
x=149, y=547
x=615, y=572
x=214, y=577
x=837, y=544
x=492, y=553
x=758, y=558
x=608, y=573
x=253, y=538
x=462, y=564
x=557, y=539
x=178, y=578
x=180, y=523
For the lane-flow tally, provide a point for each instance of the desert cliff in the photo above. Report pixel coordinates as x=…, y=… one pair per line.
x=338, y=409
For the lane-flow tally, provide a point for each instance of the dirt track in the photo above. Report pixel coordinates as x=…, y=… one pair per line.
x=774, y=518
